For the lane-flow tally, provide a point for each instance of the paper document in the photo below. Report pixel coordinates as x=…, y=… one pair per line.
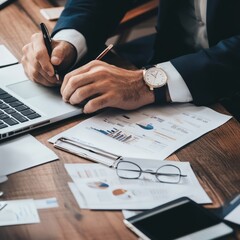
x=23, y=152
x=152, y=131
x=6, y=57
x=231, y=211
x=78, y=196
x=98, y=187
x=234, y=216
x=46, y=203
x=16, y=212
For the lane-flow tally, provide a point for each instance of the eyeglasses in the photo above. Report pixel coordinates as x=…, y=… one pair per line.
x=165, y=174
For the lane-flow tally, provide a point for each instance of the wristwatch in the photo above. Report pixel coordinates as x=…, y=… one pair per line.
x=156, y=79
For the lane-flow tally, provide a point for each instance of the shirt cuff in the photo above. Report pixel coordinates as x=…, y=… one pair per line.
x=177, y=87
x=75, y=38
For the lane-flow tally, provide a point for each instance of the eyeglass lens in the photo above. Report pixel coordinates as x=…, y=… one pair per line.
x=128, y=170
x=168, y=174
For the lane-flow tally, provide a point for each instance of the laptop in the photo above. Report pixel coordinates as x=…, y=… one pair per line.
x=25, y=105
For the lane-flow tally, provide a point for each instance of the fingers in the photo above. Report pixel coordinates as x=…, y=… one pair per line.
x=98, y=103
x=58, y=53
x=82, y=76
x=41, y=77
x=86, y=82
x=63, y=55
x=41, y=55
x=77, y=82
x=34, y=70
x=37, y=64
x=105, y=85
x=77, y=72
x=87, y=91
x=91, y=81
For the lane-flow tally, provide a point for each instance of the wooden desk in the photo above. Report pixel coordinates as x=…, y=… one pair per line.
x=214, y=157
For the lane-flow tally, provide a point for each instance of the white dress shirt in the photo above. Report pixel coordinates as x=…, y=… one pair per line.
x=193, y=19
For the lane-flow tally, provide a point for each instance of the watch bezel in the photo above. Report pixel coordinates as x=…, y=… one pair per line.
x=151, y=86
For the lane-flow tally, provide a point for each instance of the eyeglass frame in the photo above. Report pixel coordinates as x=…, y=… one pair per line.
x=150, y=171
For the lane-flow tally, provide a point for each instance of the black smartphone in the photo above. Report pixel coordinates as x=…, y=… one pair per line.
x=4, y=3
x=179, y=219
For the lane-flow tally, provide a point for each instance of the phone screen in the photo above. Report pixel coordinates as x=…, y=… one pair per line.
x=176, y=222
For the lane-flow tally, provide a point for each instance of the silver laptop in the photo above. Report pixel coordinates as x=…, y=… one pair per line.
x=25, y=105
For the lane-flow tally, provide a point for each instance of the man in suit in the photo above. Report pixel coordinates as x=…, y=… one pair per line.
x=195, y=56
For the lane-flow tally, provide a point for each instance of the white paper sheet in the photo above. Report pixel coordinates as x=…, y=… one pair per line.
x=100, y=187
x=23, y=152
x=6, y=57
x=16, y=212
x=152, y=131
x=234, y=215
x=78, y=195
x=46, y=203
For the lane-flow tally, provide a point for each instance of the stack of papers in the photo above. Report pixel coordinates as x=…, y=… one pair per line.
x=152, y=131
x=98, y=187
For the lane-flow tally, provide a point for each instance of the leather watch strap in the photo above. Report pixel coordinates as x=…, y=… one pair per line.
x=160, y=95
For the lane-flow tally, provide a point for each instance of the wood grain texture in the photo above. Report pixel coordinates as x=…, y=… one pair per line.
x=214, y=158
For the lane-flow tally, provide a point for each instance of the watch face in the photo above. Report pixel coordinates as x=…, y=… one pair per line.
x=155, y=77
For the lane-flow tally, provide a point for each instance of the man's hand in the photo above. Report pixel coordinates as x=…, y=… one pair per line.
x=39, y=67
x=106, y=86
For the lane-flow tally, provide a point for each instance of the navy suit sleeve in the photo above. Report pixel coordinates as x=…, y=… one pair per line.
x=95, y=19
x=213, y=73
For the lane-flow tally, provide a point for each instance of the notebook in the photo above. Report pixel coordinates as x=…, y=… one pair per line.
x=25, y=105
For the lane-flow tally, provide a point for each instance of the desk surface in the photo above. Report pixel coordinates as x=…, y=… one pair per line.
x=214, y=158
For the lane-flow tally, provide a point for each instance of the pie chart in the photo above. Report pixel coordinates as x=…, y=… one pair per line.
x=98, y=185
x=121, y=193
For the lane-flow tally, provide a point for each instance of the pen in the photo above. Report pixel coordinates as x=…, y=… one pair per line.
x=104, y=52
x=47, y=41
x=3, y=206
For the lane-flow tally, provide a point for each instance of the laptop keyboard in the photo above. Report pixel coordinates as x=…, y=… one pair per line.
x=13, y=112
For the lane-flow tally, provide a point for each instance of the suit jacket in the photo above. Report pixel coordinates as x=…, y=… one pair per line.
x=210, y=74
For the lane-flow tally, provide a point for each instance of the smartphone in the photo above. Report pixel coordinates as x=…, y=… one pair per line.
x=4, y=3
x=181, y=219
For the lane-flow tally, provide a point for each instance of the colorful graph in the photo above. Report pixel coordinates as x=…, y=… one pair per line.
x=147, y=126
x=117, y=135
x=121, y=193
x=98, y=185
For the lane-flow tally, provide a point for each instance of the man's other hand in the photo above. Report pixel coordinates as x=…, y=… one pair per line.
x=105, y=85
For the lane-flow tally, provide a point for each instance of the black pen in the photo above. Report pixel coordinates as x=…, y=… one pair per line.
x=47, y=41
